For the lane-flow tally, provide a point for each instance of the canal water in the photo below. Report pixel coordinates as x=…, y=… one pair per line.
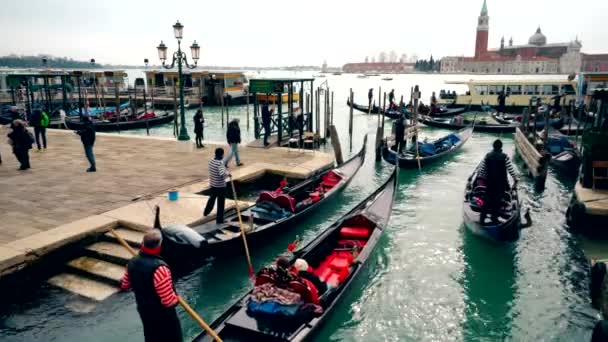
x=429, y=279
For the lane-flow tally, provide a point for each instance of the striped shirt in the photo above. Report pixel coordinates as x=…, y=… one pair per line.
x=163, y=284
x=482, y=173
x=217, y=173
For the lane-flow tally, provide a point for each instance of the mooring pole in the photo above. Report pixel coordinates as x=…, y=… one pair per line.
x=350, y=120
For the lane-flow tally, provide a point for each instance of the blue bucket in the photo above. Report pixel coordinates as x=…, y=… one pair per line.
x=173, y=195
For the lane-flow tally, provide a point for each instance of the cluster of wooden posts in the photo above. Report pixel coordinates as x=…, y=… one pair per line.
x=531, y=147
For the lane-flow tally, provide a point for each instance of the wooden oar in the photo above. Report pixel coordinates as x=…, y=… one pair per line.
x=238, y=213
x=180, y=300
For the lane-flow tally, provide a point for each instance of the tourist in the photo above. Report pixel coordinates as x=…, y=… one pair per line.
x=199, y=121
x=62, y=116
x=494, y=170
x=301, y=267
x=370, y=97
x=21, y=140
x=217, y=181
x=40, y=121
x=233, y=135
x=150, y=279
x=266, y=115
x=87, y=136
x=502, y=98
x=399, y=134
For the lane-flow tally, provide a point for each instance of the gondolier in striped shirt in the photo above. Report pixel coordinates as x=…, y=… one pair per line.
x=217, y=181
x=150, y=279
x=494, y=170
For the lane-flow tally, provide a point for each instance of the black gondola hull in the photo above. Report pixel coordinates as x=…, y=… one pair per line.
x=479, y=127
x=122, y=125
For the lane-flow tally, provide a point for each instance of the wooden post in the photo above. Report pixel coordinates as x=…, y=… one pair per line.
x=247, y=101
x=350, y=120
x=335, y=143
x=331, y=120
x=222, y=105
x=117, y=110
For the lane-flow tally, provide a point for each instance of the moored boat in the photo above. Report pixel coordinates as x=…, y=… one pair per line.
x=480, y=126
x=509, y=217
x=390, y=113
x=336, y=256
x=272, y=211
x=427, y=153
x=107, y=125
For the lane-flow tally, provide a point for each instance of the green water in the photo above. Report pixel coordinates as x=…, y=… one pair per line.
x=429, y=279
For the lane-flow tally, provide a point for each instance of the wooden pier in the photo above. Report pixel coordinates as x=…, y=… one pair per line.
x=58, y=203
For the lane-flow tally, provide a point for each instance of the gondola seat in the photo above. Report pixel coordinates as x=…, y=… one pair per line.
x=354, y=232
x=330, y=179
x=283, y=200
x=352, y=243
x=306, y=290
x=263, y=278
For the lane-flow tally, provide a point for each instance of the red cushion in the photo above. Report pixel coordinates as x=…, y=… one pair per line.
x=334, y=279
x=323, y=273
x=283, y=200
x=351, y=232
x=338, y=263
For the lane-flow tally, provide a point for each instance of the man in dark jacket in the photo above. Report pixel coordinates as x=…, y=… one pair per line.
x=502, y=99
x=198, y=128
x=370, y=97
x=266, y=113
x=150, y=279
x=39, y=129
x=494, y=170
x=399, y=134
x=233, y=135
x=87, y=136
x=21, y=140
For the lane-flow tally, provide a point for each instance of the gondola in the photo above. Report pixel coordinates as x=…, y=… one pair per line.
x=271, y=212
x=480, y=126
x=427, y=152
x=446, y=111
x=105, y=125
x=337, y=256
x=565, y=157
x=539, y=124
x=391, y=114
x=509, y=225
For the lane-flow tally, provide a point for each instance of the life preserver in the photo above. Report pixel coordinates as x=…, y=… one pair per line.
x=598, y=273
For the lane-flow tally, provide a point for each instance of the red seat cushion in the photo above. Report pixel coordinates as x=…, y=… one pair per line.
x=330, y=179
x=340, y=262
x=333, y=279
x=283, y=200
x=323, y=272
x=352, y=232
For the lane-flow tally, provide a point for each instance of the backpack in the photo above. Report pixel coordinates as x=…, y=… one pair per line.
x=44, y=120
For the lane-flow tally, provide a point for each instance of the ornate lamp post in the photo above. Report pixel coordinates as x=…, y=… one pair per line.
x=181, y=59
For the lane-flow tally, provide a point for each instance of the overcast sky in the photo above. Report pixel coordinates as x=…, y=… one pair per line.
x=275, y=33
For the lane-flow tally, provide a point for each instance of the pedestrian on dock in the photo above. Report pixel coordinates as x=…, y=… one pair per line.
x=199, y=122
x=150, y=279
x=370, y=97
x=233, y=136
x=87, y=136
x=217, y=181
x=40, y=121
x=391, y=99
x=266, y=115
x=21, y=140
x=494, y=170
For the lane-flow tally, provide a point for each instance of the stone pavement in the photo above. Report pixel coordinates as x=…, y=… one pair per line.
x=57, y=190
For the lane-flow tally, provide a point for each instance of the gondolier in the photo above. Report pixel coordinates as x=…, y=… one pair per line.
x=494, y=170
x=150, y=279
x=370, y=97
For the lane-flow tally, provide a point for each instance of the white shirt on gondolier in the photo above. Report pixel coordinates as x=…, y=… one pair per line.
x=217, y=173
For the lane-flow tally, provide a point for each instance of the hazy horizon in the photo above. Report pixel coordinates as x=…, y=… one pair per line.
x=243, y=33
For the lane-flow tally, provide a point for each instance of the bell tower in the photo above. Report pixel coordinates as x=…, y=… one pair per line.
x=483, y=26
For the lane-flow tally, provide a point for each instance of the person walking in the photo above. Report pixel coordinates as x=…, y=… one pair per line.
x=266, y=114
x=87, y=136
x=21, y=140
x=217, y=181
x=370, y=97
x=233, y=136
x=39, y=120
x=199, y=121
x=149, y=277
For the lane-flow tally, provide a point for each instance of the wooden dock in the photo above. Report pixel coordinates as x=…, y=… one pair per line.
x=536, y=162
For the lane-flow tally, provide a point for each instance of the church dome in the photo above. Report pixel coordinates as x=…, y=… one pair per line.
x=538, y=38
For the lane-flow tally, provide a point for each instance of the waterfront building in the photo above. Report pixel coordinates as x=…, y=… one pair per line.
x=536, y=57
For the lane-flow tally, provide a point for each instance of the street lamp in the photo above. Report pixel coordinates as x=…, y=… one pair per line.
x=181, y=59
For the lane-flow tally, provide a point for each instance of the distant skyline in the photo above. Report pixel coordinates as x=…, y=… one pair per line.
x=240, y=32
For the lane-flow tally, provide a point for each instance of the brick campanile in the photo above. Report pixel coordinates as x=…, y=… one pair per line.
x=483, y=26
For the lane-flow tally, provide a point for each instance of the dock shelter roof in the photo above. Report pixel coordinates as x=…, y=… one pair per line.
x=273, y=85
